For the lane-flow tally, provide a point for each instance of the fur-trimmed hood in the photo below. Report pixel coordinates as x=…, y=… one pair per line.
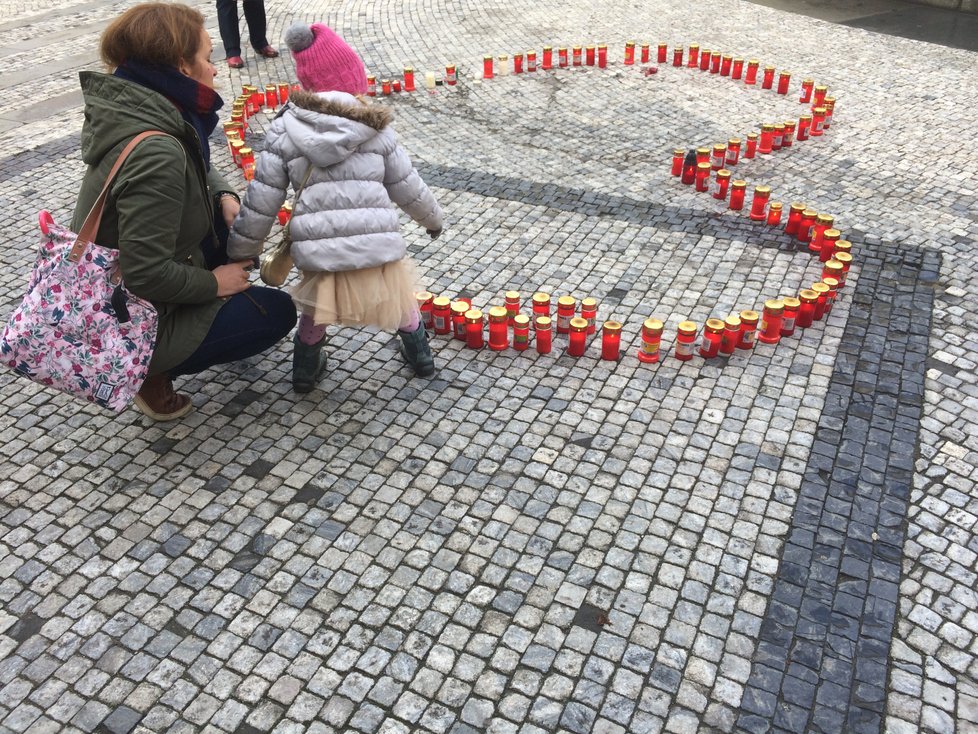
x=329, y=126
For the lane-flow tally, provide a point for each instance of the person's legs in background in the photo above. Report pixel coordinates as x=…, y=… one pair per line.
x=227, y=23
x=254, y=12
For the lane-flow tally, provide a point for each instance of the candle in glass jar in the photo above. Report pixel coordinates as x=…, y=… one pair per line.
x=829, y=237
x=271, y=96
x=715, y=62
x=385, y=87
x=408, y=79
x=789, y=133
x=611, y=340
x=751, y=76
x=562, y=57
x=502, y=65
x=751, y=148
x=498, y=328
x=629, y=53
x=725, y=63
x=283, y=92
x=541, y=304
x=738, y=189
x=846, y=259
x=822, y=222
x=767, y=81
x=720, y=184
x=689, y=168
x=685, y=340
x=517, y=63
x=648, y=352
x=512, y=304
x=645, y=53
x=285, y=214
x=589, y=55
x=737, y=70
x=705, y=56
x=677, y=161
x=823, y=298
x=521, y=332
x=474, y=338
x=731, y=334
x=748, y=329
x=791, y=306
x=486, y=72
x=794, y=217
x=770, y=328
x=396, y=86
x=804, y=123
x=818, y=122
x=758, y=207
x=677, y=56
x=819, y=95
x=247, y=163
x=832, y=269
x=451, y=76
x=806, y=90
x=829, y=109
x=441, y=314
x=833, y=285
x=694, y=55
x=577, y=336
x=719, y=156
x=712, y=336
x=778, y=136
x=774, y=213
x=702, y=155
x=733, y=152
x=458, y=319
x=566, y=307
x=544, y=334
x=577, y=56
x=371, y=86
x=429, y=78
x=663, y=51
x=703, y=176
x=531, y=61
x=767, y=138
x=806, y=312
x=805, y=225
x=602, y=56
x=426, y=307
x=589, y=312
x=784, y=81
x=547, y=62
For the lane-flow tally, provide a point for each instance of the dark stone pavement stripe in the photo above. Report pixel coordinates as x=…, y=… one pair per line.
x=822, y=658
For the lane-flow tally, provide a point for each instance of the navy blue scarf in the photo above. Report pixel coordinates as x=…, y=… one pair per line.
x=198, y=104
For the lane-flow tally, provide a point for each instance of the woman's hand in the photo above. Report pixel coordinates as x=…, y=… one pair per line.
x=232, y=278
x=229, y=209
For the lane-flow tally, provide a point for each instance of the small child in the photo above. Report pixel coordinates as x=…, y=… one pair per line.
x=342, y=157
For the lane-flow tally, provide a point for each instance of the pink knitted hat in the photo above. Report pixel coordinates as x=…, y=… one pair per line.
x=323, y=61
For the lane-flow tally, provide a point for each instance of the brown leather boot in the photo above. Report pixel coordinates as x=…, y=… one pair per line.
x=157, y=399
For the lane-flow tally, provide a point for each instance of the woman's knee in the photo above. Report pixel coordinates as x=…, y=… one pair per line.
x=279, y=306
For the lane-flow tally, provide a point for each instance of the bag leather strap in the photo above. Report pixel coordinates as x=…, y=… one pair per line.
x=295, y=208
x=90, y=227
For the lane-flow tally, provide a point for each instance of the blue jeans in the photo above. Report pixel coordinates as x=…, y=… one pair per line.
x=247, y=324
x=227, y=22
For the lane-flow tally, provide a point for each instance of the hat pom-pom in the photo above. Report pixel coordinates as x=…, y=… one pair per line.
x=299, y=37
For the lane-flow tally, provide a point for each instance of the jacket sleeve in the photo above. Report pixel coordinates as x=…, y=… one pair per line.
x=149, y=195
x=217, y=184
x=265, y=195
x=406, y=188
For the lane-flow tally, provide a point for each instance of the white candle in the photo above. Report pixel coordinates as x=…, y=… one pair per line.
x=429, y=80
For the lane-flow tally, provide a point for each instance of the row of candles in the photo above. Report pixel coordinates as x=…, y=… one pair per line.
x=250, y=102
x=721, y=337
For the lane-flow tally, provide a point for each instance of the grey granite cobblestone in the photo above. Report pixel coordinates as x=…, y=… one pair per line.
x=533, y=542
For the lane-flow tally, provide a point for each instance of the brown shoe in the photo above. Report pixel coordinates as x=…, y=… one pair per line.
x=268, y=52
x=157, y=399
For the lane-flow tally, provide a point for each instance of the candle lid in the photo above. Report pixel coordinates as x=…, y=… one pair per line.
x=808, y=296
x=512, y=295
x=459, y=307
x=751, y=136
x=703, y=151
x=820, y=288
x=831, y=234
x=541, y=297
x=785, y=73
x=498, y=313
x=589, y=303
x=719, y=147
x=749, y=317
x=739, y=184
x=727, y=57
x=578, y=324
x=821, y=88
x=609, y=326
x=704, y=166
x=775, y=206
x=567, y=301
x=288, y=207
x=424, y=296
x=442, y=302
x=824, y=219
x=678, y=151
x=521, y=320
x=714, y=325
x=775, y=305
x=833, y=265
x=769, y=68
x=731, y=322
x=797, y=207
x=723, y=173
x=843, y=246
x=832, y=283
x=543, y=322
x=767, y=127
x=789, y=125
x=843, y=257
x=473, y=315
x=653, y=325
x=819, y=110
x=694, y=45
x=754, y=62
x=790, y=302
x=733, y=142
x=762, y=190
x=779, y=126
x=810, y=213
x=687, y=327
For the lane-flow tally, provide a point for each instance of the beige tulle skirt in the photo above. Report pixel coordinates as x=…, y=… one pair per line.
x=382, y=296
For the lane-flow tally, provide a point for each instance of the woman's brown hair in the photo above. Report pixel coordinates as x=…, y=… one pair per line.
x=153, y=33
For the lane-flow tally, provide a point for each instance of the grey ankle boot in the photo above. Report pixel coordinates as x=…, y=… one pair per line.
x=308, y=363
x=417, y=351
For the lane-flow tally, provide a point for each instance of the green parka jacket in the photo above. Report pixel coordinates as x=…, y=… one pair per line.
x=159, y=209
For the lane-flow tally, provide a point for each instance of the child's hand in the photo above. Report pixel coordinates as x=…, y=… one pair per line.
x=434, y=233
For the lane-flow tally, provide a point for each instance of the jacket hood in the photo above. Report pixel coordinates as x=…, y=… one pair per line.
x=116, y=110
x=328, y=127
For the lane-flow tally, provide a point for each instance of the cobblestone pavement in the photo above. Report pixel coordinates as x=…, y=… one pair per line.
x=783, y=540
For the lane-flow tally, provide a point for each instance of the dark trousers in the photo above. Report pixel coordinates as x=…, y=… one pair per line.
x=247, y=324
x=227, y=22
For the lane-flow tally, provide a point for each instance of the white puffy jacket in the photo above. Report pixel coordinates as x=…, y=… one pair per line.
x=345, y=218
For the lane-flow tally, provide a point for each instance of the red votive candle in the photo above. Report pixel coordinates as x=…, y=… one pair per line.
x=822, y=223
x=663, y=51
x=283, y=92
x=517, y=63
x=774, y=213
x=577, y=56
x=541, y=305
x=371, y=86
x=685, y=340
x=473, y=329
x=271, y=96
x=566, y=307
x=385, y=87
x=767, y=139
x=589, y=312
x=791, y=306
x=645, y=53
x=629, y=53
x=702, y=176
x=805, y=225
x=751, y=76
x=832, y=269
x=784, y=81
x=577, y=336
x=487, y=67
x=715, y=62
x=823, y=299
x=677, y=161
x=758, y=207
x=719, y=156
x=804, y=123
x=789, y=133
x=705, y=56
x=751, y=149
x=748, y=329
x=408, y=79
x=589, y=55
x=441, y=313
x=806, y=312
x=285, y=214
x=738, y=69
x=767, y=81
x=731, y=334
x=610, y=340
x=677, y=56
x=738, y=189
x=498, y=328
x=547, y=62
x=512, y=304
x=720, y=184
x=544, y=338
x=778, y=136
x=426, y=307
x=602, y=56
x=770, y=328
x=846, y=259
x=521, y=332
x=712, y=336
x=794, y=217
x=694, y=55
x=819, y=95
x=458, y=319
x=531, y=61
x=833, y=285
x=725, y=64
x=806, y=90
x=733, y=152
x=818, y=122
x=562, y=57
x=829, y=237
x=648, y=352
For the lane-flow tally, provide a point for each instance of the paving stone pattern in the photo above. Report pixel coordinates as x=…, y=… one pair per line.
x=780, y=541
